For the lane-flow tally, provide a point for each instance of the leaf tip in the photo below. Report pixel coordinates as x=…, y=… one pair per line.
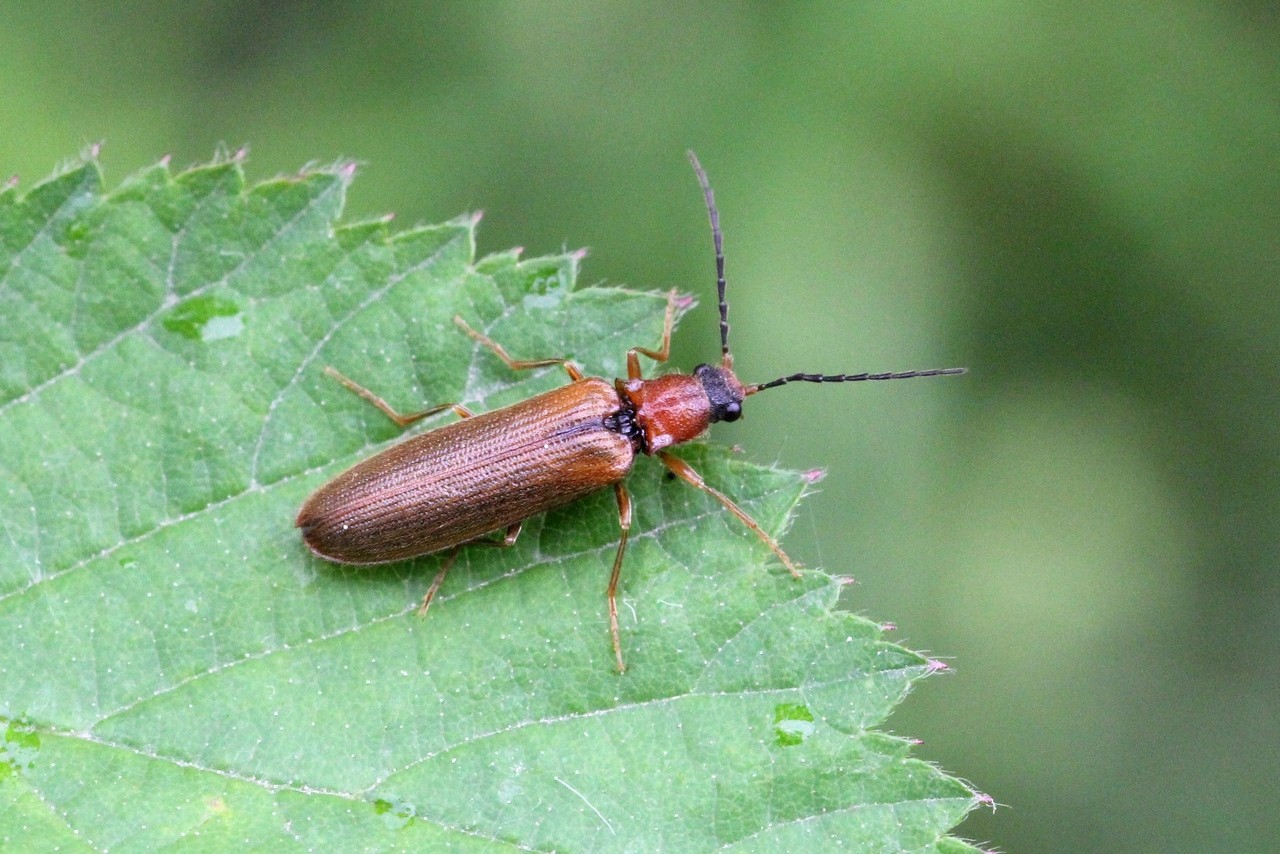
x=222, y=155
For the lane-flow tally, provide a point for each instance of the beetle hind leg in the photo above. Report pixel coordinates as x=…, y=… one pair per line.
x=624, y=522
x=508, y=540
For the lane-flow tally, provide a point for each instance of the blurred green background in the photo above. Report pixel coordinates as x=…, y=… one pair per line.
x=1081, y=202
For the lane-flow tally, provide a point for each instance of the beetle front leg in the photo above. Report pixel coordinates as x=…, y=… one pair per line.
x=668, y=323
x=685, y=472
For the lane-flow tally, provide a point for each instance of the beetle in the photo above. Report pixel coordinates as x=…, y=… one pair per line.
x=455, y=484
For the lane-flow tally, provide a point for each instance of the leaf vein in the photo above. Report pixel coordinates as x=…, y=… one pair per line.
x=323, y=341
x=164, y=304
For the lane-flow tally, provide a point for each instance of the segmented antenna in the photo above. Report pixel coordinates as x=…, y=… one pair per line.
x=853, y=378
x=726, y=359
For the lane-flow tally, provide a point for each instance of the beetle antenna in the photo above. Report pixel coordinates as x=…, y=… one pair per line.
x=726, y=359
x=853, y=378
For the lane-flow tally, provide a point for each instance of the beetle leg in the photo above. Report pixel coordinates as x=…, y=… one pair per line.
x=624, y=522
x=385, y=408
x=439, y=579
x=516, y=364
x=508, y=540
x=633, y=359
x=685, y=472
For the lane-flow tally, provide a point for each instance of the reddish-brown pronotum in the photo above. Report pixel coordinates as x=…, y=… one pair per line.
x=484, y=473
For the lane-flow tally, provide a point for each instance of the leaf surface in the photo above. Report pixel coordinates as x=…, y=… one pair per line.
x=177, y=669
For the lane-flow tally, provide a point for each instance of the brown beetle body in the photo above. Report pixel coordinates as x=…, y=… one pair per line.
x=482, y=474
x=453, y=485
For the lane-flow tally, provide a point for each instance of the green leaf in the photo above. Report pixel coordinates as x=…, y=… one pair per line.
x=178, y=669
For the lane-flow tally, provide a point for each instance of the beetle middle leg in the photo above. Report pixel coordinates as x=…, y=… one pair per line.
x=508, y=540
x=498, y=350
x=385, y=408
x=685, y=472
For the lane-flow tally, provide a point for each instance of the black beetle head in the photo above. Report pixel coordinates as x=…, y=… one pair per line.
x=723, y=390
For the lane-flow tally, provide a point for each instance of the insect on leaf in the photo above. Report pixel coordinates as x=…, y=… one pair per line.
x=177, y=667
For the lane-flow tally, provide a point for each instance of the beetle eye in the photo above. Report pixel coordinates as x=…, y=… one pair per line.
x=731, y=411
